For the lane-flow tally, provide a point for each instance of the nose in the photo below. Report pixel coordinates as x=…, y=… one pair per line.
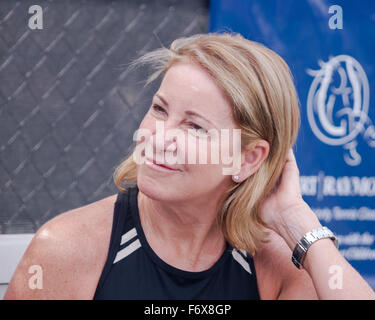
x=163, y=140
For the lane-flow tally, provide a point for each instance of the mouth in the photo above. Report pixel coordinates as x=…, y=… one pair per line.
x=160, y=167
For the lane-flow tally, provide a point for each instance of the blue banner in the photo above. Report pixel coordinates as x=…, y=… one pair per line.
x=330, y=49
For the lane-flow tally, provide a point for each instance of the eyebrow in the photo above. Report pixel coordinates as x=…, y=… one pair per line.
x=188, y=112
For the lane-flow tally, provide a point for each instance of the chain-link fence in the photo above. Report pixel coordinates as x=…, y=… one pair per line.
x=68, y=107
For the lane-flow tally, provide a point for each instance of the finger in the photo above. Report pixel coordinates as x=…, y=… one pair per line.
x=290, y=156
x=291, y=162
x=290, y=174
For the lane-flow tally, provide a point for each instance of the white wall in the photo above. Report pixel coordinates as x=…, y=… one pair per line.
x=3, y=288
x=12, y=248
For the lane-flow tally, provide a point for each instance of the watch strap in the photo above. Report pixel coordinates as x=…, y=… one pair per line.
x=300, y=250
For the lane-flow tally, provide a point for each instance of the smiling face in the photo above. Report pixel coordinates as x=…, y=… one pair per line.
x=188, y=99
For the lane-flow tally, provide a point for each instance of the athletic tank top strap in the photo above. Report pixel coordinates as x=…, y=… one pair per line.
x=121, y=211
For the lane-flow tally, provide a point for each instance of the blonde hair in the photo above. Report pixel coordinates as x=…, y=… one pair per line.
x=259, y=86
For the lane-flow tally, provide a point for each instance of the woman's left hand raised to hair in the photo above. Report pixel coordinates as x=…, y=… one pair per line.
x=284, y=210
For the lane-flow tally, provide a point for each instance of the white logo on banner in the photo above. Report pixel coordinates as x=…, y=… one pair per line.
x=338, y=114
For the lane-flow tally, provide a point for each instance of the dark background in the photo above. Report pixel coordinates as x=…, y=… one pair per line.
x=68, y=106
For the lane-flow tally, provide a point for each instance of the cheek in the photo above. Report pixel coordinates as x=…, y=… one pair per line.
x=207, y=167
x=216, y=158
x=147, y=123
x=206, y=176
x=145, y=131
x=201, y=150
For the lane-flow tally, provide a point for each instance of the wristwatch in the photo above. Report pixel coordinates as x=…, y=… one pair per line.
x=299, y=252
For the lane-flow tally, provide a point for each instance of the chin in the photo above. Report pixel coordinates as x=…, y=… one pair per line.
x=149, y=189
x=158, y=190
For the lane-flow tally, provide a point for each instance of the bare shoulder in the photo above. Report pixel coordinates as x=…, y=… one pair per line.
x=276, y=273
x=70, y=251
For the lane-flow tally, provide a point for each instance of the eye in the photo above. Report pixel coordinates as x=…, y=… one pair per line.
x=197, y=127
x=157, y=108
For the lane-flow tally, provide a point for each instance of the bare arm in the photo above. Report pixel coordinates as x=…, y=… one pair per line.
x=66, y=256
x=278, y=278
x=48, y=258
x=332, y=275
x=288, y=215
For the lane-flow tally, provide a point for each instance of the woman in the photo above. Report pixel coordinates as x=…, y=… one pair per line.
x=188, y=231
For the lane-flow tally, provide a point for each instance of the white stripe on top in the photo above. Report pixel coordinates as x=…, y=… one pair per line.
x=129, y=235
x=123, y=253
x=241, y=260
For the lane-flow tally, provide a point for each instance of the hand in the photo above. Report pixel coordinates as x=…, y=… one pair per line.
x=284, y=210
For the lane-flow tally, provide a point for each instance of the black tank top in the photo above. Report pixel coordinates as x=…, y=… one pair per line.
x=134, y=271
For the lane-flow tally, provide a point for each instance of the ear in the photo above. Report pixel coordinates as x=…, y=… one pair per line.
x=252, y=158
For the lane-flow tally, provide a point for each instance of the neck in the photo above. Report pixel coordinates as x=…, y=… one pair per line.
x=189, y=229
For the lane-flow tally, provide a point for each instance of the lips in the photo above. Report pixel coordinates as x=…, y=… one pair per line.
x=162, y=165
